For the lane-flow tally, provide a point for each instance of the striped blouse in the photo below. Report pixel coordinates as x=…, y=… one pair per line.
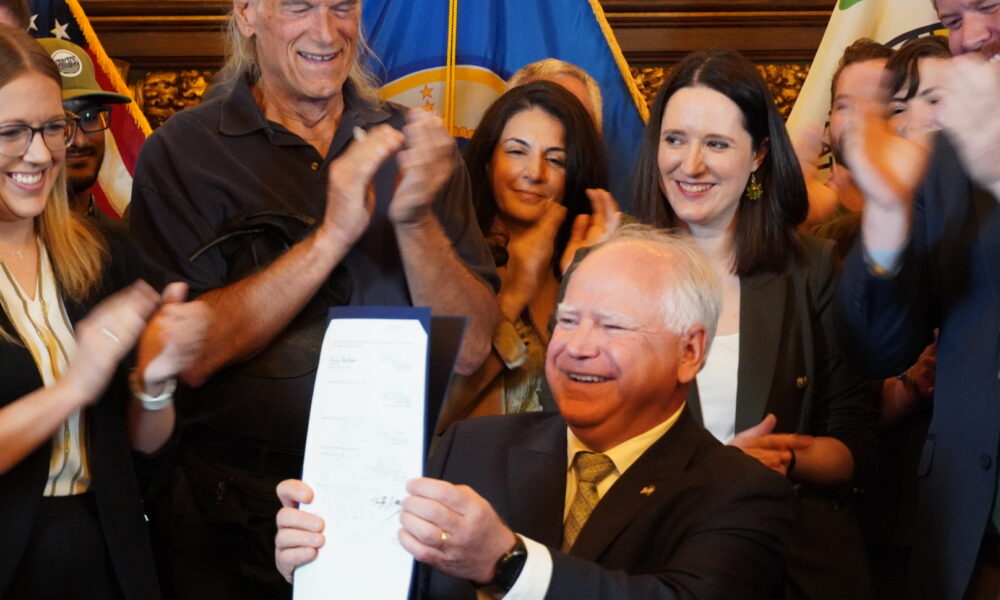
x=43, y=326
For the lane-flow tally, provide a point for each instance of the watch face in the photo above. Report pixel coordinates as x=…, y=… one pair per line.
x=508, y=569
x=509, y=566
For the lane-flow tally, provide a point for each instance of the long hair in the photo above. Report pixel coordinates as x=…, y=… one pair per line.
x=241, y=61
x=764, y=237
x=586, y=165
x=76, y=250
x=904, y=66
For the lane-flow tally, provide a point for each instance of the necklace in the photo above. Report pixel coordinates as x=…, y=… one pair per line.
x=18, y=254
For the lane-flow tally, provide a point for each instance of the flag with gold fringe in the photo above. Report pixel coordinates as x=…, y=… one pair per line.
x=454, y=56
x=65, y=19
x=889, y=22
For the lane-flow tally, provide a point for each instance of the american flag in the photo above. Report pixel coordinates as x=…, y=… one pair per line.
x=66, y=20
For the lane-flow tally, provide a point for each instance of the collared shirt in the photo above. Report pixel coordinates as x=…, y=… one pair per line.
x=44, y=328
x=210, y=166
x=533, y=582
x=623, y=456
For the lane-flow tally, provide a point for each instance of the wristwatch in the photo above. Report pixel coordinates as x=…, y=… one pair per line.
x=508, y=569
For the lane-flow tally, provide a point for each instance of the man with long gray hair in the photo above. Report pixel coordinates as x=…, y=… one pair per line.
x=372, y=205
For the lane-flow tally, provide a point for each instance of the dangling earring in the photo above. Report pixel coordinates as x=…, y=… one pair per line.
x=754, y=189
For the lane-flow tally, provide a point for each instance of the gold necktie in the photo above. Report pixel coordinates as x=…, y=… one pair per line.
x=591, y=468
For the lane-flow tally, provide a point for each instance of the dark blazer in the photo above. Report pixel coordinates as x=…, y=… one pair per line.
x=949, y=278
x=790, y=361
x=713, y=527
x=114, y=486
x=791, y=365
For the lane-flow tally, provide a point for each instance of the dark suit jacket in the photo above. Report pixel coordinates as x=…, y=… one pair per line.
x=950, y=279
x=114, y=486
x=790, y=361
x=791, y=365
x=712, y=528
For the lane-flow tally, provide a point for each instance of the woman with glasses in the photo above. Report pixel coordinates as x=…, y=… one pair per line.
x=71, y=524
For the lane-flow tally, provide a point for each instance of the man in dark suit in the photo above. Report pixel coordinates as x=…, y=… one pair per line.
x=929, y=258
x=621, y=494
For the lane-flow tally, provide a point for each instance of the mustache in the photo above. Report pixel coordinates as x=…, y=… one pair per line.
x=81, y=151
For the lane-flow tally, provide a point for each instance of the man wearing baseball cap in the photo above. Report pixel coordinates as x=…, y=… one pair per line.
x=83, y=97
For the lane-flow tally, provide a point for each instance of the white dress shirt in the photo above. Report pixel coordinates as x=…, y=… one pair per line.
x=533, y=582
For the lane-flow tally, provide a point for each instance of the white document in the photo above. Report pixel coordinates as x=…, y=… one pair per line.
x=365, y=441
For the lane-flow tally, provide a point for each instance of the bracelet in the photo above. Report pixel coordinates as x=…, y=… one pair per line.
x=151, y=403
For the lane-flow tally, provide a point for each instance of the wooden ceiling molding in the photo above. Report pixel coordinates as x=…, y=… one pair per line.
x=176, y=34
x=172, y=46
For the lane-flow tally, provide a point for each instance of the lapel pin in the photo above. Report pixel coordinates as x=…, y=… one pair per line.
x=648, y=490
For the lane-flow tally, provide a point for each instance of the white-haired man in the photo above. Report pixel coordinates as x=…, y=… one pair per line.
x=929, y=259
x=576, y=81
x=619, y=495
x=217, y=189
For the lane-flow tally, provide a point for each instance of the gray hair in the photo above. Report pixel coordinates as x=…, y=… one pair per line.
x=553, y=67
x=693, y=293
x=241, y=59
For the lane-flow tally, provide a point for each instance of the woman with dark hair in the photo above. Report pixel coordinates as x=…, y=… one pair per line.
x=916, y=70
x=72, y=522
x=716, y=162
x=534, y=162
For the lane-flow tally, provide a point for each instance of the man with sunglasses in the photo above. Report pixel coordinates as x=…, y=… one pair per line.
x=85, y=99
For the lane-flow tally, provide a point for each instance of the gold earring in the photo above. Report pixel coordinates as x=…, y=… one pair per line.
x=754, y=189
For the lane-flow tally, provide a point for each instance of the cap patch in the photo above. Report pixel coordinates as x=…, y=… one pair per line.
x=69, y=64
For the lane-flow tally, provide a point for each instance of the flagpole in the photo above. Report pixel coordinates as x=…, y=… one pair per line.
x=107, y=65
x=450, y=60
x=616, y=52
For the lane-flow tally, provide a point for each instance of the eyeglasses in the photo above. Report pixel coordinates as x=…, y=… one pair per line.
x=94, y=120
x=16, y=139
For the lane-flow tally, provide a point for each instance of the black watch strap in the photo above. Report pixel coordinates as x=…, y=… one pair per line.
x=508, y=569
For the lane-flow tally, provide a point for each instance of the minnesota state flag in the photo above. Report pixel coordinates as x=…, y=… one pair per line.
x=889, y=22
x=65, y=19
x=454, y=56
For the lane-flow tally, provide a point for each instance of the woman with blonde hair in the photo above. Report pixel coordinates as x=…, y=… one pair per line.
x=72, y=520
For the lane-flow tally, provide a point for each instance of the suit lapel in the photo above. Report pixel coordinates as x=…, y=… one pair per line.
x=536, y=511
x=762, y=311
x=646, y=483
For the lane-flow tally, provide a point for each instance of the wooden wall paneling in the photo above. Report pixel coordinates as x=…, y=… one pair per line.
x=660, y=32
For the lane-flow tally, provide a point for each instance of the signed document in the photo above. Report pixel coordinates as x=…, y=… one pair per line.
x=365, y=441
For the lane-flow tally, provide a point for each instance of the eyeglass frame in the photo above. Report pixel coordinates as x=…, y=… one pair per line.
x=72, y=122
x=101, y=110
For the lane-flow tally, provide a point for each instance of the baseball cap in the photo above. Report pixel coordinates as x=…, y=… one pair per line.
x=77, y=71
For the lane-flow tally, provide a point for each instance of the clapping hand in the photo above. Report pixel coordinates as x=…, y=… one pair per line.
x=105, y=336
x=968, y=113
x=350, y=195
x=773, y=450
x=594, y=228
x=172, y=339
x=530, y=258
x=425, y=166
